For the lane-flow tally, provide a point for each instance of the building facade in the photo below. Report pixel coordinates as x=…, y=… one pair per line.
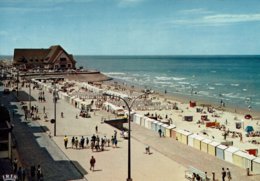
x=5, y=134
x=53, y=58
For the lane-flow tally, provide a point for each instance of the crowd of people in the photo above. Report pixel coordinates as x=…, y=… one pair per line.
x=95, y=142
x=32, y=173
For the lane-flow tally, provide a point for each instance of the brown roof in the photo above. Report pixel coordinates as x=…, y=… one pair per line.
x=55, y=50
x=25, y=55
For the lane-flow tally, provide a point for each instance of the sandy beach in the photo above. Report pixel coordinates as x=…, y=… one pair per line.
x=157, y=104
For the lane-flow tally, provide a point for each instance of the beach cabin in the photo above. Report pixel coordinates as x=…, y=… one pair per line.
x=159, y=126
x=142, y=121
x=149, y=122
x=204, y=145
x=197, y=141
x=188, y=118
x=182, y=136
x=212, y=147
x=163, y=128
x=137, y=119
x=256, y=165
x=173, y=134
x=229, y=153
x=220, y=151
x=154, y=125
x=168, y=131
x=146, y=122
x=243, y=159
x=191, y=139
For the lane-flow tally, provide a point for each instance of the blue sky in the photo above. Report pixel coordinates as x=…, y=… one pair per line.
x=132, y=27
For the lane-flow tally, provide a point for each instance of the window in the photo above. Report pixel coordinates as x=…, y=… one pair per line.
x=69, y=65
x=63, y=59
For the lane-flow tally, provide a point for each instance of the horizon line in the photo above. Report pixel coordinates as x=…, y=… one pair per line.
x=163, y=55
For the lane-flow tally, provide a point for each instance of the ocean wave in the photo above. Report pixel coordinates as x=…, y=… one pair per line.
x=178, y=78
x=203, y=93
x=211, y=88
x=234, y=85
x=162, y=82
x=114, y=73
x=233, y=95
x=184, y=83
x=244, y=89
x=219, y=84
x=162, y=78
x=213, y=71
x=169, y=78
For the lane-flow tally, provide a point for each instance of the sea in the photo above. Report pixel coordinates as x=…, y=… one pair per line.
x=234, y=80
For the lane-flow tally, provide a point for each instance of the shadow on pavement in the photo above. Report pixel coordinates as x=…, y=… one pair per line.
x=36, y=148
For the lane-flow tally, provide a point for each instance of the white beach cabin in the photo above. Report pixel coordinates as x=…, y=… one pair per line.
x=220, y=153
x=243, y=159
x=256, y=165
x=168, y=132
x=197, y=142
x=191, y=139
x=229, y=153
x=212, y=147
x=204, y=145
x=182, y=136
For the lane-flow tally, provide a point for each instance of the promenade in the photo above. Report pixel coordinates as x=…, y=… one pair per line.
x=168, y=161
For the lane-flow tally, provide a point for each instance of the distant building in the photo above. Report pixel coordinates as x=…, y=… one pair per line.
x=53, y=58
x=5, y=134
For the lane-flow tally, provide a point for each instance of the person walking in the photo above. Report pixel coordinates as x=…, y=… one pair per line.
x=96, y=129
x=32, y=172
x=76, y=142
x=72, y=142
x=92, y=163
x=229, y=174
x=15, y=164
x=66, y=141
x=39, y=172
x=160, y=132
x=87, y=142
x=82, y=141
x=115, y=141
x=223, y=173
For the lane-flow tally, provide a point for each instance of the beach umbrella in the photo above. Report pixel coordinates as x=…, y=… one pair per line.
x=248, y=116
x=249, y=129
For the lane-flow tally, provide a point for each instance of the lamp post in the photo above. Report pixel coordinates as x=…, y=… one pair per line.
x=17, y=82
x=129, y=106
x=55, y=97
x=30, y=94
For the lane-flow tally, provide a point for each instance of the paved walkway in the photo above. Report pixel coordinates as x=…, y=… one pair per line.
x=168, y=161
x=35, y=147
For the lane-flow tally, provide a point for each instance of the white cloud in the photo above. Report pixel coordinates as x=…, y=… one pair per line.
x=232, y=18
x=196, y=11
x=217, y=20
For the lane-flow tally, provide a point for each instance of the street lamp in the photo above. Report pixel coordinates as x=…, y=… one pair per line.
x=55, y=98
x=17, y=81
x=29, y=94
x=129, y=105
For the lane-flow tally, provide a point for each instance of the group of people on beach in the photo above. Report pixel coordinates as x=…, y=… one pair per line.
x=41, y=96
x=94, y=142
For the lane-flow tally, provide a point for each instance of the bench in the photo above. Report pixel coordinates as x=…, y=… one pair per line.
x=191, y=170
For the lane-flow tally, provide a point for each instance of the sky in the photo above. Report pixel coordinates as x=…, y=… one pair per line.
x=132, y=27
